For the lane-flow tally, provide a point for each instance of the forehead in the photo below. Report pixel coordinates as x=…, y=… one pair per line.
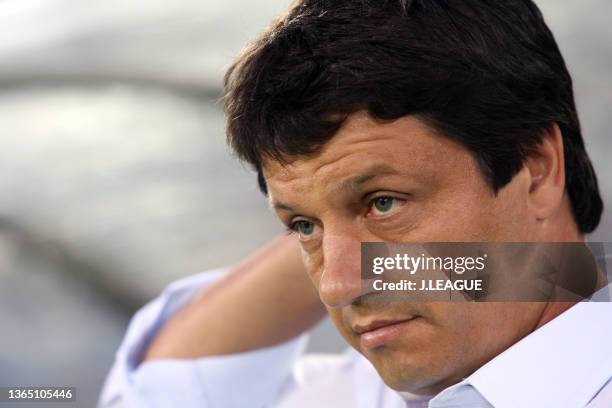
x=364, y=146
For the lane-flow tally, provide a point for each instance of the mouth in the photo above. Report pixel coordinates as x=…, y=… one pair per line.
x=379, y=332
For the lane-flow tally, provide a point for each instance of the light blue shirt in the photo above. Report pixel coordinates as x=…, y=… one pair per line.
x=566, y=363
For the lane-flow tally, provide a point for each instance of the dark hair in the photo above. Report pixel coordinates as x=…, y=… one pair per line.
x=487, y=74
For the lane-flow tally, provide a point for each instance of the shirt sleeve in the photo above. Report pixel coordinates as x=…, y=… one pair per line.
x=255, y=379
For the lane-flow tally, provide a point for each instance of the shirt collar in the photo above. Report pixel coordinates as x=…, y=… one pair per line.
x=563, y=363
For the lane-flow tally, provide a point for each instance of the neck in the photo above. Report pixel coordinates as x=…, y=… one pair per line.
x=552, y=310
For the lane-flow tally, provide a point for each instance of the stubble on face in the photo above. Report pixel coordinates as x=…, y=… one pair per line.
x=443, y=198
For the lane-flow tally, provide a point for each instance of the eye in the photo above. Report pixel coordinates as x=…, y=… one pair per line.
x=384, y=205
x=304, y=228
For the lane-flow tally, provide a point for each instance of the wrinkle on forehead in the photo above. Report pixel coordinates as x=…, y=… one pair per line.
x=340, y=173
x=407, y=146
x=357, y=132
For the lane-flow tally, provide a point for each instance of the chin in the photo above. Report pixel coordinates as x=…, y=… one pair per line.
x=402, y=373
x=403, y=380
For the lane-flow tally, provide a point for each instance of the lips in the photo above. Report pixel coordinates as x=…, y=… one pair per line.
x=377, y=324
x=381, y=331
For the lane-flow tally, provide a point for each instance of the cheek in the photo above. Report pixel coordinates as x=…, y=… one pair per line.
x=480, y=216
x=336, y=316
x=454, y=326
x=483, y=330
x=452, y=220
x=313, y=262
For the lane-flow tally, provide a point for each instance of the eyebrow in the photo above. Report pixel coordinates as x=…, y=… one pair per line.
x=355, y=182
x=350, y=184
x=282, y=206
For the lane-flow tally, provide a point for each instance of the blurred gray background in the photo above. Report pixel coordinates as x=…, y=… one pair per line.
x=114, y=174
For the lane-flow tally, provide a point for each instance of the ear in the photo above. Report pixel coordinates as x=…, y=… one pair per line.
x=546, y=167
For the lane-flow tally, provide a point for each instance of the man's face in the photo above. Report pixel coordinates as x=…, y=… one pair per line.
x=401, y=182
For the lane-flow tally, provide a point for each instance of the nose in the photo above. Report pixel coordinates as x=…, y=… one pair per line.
x=340, y=282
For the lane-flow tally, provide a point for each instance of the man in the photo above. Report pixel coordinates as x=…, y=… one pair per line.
x=394, y=121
